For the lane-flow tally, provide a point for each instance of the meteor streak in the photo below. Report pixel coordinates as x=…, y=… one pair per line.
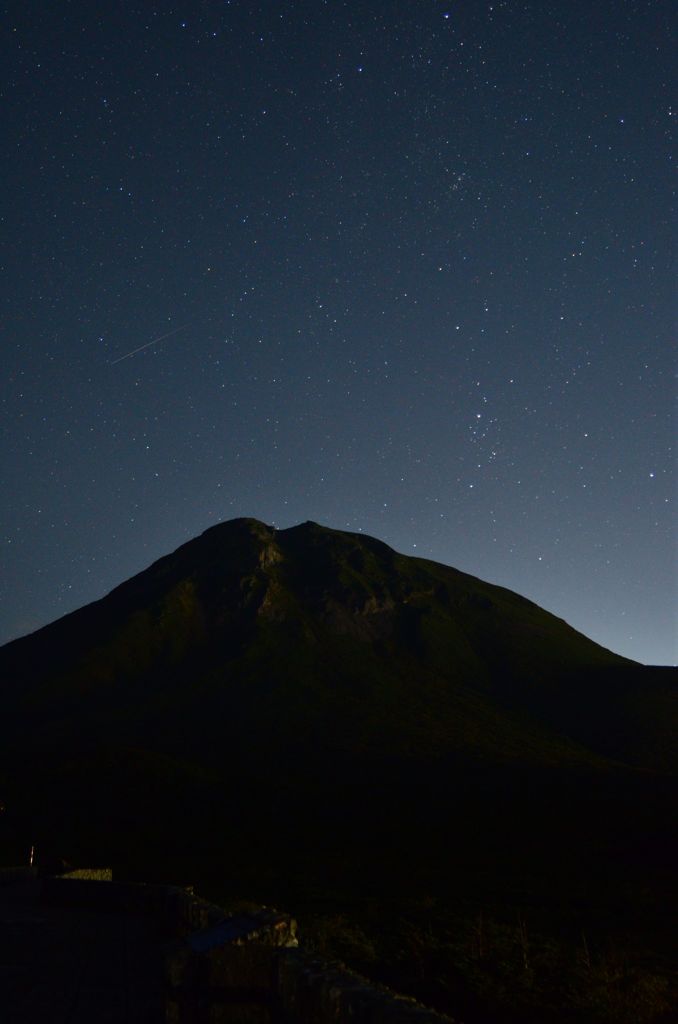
x=148, y=344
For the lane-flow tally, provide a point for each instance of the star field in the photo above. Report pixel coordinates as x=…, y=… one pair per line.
x=400, y=268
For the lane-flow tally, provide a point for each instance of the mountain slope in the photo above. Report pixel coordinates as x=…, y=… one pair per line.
x=248, y=628
x=255, y=674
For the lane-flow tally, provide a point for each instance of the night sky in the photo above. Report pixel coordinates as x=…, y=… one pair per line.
x=396, y=267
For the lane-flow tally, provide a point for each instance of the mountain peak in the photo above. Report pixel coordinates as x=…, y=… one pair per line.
x=329, y=623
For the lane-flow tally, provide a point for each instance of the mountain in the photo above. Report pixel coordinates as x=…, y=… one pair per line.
x=248, y=627
x=309, y=685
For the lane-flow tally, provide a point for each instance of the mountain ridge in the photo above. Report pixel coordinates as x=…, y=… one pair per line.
x=270, y=533
x=244, y=600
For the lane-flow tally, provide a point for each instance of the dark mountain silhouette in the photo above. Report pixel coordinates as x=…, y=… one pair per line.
x=309, y=701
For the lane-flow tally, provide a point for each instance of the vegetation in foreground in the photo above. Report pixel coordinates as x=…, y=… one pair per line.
x=502, y=969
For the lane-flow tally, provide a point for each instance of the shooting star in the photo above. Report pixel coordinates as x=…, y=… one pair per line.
x=148, y=344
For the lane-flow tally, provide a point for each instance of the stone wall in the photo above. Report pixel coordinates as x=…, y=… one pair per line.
x=90, y=874
x=180, y=910
x=241, y=968
x=228, y=971
x=311, y=991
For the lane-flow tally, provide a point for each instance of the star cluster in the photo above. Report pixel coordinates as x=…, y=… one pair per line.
x=400, y=268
